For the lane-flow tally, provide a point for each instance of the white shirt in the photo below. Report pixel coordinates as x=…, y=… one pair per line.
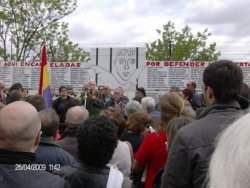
x=122, y=158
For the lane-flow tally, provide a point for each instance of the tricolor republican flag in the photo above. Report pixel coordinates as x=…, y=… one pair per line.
x=44, y=88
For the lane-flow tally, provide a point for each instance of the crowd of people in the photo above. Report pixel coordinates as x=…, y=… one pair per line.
x=101, y=138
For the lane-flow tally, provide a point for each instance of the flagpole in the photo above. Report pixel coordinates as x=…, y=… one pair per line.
x=42, y=70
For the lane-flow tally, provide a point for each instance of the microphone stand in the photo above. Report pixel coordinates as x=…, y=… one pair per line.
x=85, y=99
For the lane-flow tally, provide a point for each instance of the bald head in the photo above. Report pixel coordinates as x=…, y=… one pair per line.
x=91, y=83
x=76, y=115
x=19, y=127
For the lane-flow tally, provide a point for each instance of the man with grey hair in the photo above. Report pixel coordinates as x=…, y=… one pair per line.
x=20, y=134
x=132, y=107
x=91, y=99
x=75, y=116
x=119, y=100
x=148, y=105
x=106, y=96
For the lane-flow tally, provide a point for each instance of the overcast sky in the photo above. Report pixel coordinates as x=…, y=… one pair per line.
x=109, y=23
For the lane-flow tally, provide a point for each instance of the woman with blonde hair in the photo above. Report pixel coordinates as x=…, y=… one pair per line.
x=152, y=153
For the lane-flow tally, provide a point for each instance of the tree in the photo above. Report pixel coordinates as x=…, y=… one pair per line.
x=26, y=24
x=60, y=48
x=1, y=52
x=184, y=45
x=5, y=23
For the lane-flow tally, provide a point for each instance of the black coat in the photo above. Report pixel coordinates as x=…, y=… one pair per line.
x=69, y=141
x=53, y=155
x=193, y=146
x=88, y=177
x=135, y=139
x=14, y=172
x=62, y=105
x=94, y=106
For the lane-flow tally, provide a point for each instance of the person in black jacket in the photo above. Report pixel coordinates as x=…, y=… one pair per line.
x=49, y=152
x=20, y=133
x=193, y=145
x=196, y=98
x=244, y=97
x=62, y=104
x=75, y=116
x=97, y=140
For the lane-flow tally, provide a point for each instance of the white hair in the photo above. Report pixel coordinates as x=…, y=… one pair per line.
x=76, y=115
x=230, y=163
x=148, y=104
x=132, y=107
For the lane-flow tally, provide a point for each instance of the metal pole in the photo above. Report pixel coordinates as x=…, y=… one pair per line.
x=85, y=99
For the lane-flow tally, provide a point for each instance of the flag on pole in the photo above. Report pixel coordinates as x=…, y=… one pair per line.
x=44, y=88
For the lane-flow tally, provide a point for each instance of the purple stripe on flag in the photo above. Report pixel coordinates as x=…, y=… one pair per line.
x=47, y=97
